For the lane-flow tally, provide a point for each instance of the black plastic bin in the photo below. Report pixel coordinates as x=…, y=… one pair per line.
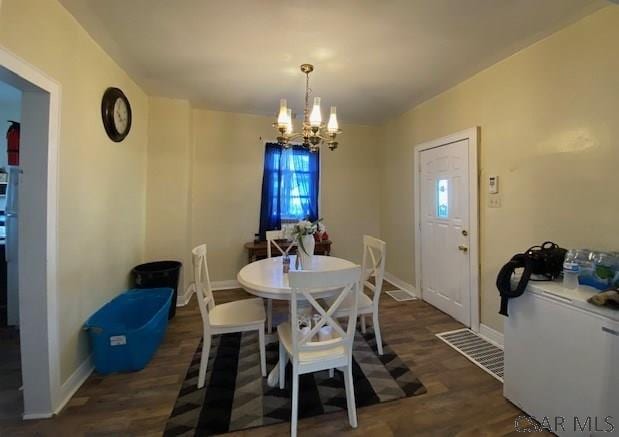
x=159, y=274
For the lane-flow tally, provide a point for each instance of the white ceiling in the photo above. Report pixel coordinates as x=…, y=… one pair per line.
x=374, y=58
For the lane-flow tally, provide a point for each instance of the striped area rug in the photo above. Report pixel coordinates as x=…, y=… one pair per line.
x=237, y=397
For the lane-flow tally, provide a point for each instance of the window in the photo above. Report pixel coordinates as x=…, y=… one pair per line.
x=295, y=178
x=289, y=186
x=442, y=198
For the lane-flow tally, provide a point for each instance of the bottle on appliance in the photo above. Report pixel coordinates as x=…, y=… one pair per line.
x=571, y=269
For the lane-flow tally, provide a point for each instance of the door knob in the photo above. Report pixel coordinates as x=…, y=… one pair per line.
x=463, y=248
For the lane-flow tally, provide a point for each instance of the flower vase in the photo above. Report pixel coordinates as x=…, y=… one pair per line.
x=305, y=251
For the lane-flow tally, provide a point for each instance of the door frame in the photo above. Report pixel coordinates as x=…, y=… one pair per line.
x=472, y=135
x=39, y=323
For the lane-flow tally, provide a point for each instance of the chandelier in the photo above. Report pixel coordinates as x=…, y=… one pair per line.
x=313, y=132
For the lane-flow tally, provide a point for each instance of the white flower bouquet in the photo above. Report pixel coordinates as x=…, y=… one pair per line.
x=305, y=228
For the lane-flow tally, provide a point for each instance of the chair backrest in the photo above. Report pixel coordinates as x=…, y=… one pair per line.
x=373, y=265
x=345, y=283
x=271, y=237
x=202, y=282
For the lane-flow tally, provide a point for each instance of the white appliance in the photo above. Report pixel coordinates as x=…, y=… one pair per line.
x=562, y=360
x=11, y=245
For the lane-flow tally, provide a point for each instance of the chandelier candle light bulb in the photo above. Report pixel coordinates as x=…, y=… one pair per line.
x=316, y=116
x=332, y=126
x=282, y=119
x=289, y=126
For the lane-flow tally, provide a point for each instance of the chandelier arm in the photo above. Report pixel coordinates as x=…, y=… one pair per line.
x=326, y=135
x=294, y=136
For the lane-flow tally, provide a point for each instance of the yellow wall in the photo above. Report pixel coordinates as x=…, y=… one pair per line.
x=548, y=118
x=168, y=184
x=226, y=165
x=101, y=183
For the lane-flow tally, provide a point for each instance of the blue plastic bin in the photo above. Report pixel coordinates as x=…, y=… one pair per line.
x=126, y=332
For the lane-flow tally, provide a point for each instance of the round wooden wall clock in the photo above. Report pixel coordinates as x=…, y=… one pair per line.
x=116, y=114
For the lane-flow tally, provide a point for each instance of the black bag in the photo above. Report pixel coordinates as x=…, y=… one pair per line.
x=545, y=260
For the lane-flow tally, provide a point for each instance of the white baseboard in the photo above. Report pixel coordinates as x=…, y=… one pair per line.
x=492, y=335
x=225, y=285
x=37, y=416
x=183, y=299
x=402, y=285
x=74, y=382
x=67, y=390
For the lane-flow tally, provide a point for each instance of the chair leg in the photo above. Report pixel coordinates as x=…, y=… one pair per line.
x=263, y=359
x=269, y=315
x=283, y=360
x=350, y=396
x=295, y=402
x=362, y=324
x=206, y=347
x=376, y=325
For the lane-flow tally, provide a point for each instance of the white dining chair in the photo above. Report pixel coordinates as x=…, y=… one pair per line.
x=306, y=352
x=373, y=266
x=272, y=237
x=238, y=316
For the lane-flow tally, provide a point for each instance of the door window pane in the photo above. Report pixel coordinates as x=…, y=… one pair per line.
x=442, y=198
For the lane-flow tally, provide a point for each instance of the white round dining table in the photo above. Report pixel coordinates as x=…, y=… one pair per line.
x=266, y=278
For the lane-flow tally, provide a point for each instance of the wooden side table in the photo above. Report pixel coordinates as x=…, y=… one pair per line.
x=256, y=251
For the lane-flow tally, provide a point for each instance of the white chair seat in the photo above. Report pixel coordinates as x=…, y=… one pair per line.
x=238, y=313
x=364, y=307
x=285, y=336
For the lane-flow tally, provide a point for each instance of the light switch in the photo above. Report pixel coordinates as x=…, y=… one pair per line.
x=493, y=184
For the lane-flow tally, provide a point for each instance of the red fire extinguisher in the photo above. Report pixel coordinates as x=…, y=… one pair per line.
x=12, y=143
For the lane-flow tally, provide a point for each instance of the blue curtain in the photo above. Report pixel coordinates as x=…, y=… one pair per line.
x=289, y=186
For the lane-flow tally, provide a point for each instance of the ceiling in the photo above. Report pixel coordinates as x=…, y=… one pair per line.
x=374, y=58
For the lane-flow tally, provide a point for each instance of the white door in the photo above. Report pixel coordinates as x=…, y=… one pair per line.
x=444, y=228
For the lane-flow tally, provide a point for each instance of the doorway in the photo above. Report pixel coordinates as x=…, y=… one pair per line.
x=446, y=221
x=36, y=249
x=11, y=402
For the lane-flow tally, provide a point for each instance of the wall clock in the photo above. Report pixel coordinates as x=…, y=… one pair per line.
x=116, y=114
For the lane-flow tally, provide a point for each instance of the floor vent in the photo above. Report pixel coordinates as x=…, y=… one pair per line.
x=484, y=354
x=401, y=295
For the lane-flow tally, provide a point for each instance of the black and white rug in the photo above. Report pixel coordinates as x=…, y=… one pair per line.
x=237, y=397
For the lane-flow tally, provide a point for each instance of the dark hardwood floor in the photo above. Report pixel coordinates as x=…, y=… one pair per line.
x=461, y=400
x=11, y=402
